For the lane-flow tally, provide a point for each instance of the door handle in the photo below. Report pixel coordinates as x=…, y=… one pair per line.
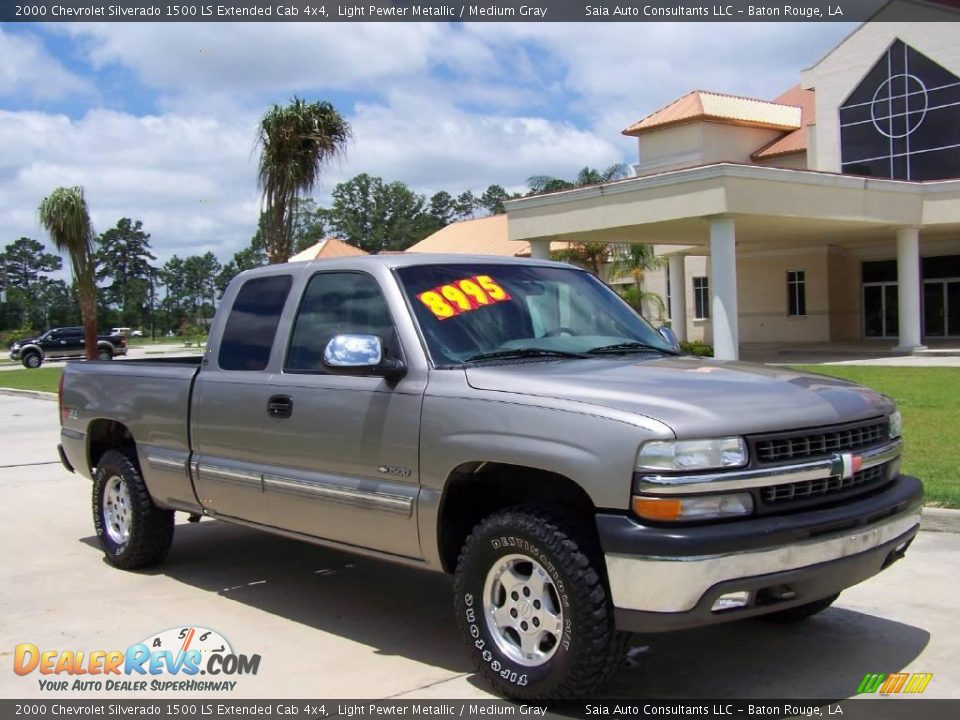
x=280, y=406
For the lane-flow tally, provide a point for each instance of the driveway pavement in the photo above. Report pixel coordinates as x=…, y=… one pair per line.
x=330, y=625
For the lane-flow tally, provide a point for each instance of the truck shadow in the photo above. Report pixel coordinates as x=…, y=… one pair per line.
x=407, y=612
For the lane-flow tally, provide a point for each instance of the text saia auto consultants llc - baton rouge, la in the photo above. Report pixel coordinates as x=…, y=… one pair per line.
x=169, y=660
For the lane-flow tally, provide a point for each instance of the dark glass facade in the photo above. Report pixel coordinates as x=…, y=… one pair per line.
x=903, y=120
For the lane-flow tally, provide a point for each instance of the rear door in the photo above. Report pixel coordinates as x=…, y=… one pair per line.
x=230, y=403
x=65, y=342
x=342, y=458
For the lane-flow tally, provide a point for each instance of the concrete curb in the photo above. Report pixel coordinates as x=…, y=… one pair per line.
x=35, y=394
x=937, y=519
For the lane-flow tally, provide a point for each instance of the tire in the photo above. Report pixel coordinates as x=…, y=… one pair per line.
x=133, y=532
x=104, y=354
x=801, y=612
x=31, y=360
x=578, y=646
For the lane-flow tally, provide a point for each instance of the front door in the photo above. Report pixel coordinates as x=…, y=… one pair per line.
x=880, y=312
x=941, y=308
x=342, y=450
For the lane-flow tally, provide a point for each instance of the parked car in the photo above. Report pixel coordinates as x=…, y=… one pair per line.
x=62, y=343
x=513, y=423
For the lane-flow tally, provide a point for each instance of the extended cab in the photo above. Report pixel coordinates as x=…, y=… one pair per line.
x=63, y=343
x=516, y=424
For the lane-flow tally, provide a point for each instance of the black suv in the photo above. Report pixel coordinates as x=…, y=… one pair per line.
x=66, y=342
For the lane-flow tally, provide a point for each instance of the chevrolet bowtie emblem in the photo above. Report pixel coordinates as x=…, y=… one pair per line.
x=851, y=464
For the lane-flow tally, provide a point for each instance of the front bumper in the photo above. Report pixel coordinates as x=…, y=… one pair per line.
x=666, y=578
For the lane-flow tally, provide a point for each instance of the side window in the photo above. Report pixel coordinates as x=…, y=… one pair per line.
x=252, y=324
x=338, y=303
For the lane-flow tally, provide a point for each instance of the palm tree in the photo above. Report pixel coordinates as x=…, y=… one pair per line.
x=635, y=260
x=589, y=255
x=295, y=143
x=539, y=184
x=65, y=216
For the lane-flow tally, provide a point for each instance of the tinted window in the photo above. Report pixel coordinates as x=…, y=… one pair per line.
x=903, y=119
x=796, y=292
x=252, y=324
x=701, y=298
x=338, y=303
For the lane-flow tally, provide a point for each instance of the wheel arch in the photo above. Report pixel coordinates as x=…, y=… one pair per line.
x=475, y=489
x=104, y=434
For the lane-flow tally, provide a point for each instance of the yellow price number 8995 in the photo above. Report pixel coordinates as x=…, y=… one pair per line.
x=460, y=296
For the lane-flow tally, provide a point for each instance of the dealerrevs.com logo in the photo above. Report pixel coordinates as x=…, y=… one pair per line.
x=173, y=660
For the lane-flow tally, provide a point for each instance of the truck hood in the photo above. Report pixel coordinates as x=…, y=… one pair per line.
x=693, y=396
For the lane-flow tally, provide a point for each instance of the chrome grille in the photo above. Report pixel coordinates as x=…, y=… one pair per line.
x=821, y=487
x=820, y=442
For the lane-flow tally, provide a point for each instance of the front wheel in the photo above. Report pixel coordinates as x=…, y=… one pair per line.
x=133, y=532
x=533, y=607
x=32, y=360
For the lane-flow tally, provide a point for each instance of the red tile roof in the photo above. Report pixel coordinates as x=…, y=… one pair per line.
x=720, y=107
x=795, y=141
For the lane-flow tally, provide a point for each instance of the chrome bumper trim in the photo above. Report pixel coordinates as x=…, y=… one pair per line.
x=660, y=584
x=764, y=477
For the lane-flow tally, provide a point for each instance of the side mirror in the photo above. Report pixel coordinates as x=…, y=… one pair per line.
x=361, y=352
x=670, y=336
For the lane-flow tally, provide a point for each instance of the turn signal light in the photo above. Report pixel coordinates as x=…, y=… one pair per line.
x=657, y=508
x=693, y=507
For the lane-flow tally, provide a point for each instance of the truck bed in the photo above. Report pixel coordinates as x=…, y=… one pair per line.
x=150, y=397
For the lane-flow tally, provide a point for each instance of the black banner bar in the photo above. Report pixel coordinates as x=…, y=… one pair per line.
x=319, y=11
x=881, y=708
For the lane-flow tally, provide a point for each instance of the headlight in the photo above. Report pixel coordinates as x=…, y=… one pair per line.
x=896, y=424
x=704, y=507
x=673, y=455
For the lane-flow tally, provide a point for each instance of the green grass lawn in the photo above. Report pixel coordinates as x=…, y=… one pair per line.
x=929, y=400
x=44, y=378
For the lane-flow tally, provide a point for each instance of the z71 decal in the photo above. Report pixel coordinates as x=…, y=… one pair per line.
x=461, y=296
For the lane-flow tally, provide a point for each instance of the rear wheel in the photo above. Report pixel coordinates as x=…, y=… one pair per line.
x=104, y=354
x=31, y=360
x=533, y=607
x=801, y=612
x=133, y=532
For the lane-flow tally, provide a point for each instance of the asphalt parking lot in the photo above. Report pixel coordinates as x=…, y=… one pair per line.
x=330, y=625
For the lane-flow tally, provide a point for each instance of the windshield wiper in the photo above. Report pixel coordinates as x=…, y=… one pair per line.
x=519, y=353
x=626, y=347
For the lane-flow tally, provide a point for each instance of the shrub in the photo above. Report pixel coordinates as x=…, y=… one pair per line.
x=698, y=348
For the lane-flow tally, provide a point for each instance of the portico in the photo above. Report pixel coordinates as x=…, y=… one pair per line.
x=741, y=217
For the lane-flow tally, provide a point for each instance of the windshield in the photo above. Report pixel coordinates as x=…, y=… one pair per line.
x=471, y=310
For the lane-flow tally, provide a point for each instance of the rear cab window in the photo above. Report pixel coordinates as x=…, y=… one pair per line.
x=252, y=324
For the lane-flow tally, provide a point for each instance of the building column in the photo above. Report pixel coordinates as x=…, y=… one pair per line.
x=723, y=286
x=908, y=289
x=540, y=249
x=678, y=297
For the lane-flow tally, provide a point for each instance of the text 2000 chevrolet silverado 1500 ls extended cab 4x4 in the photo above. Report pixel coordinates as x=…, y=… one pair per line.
x=512, y=422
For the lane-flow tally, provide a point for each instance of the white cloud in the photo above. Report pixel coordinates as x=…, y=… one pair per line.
x=191, y=180
x=28, y=70
x=432, y=105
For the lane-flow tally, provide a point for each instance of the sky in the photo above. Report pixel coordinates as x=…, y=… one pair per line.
x=158, y=121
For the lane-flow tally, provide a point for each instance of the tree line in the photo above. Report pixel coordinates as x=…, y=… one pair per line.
x=296, y=142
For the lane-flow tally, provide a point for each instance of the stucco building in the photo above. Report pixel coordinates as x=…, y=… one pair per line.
x=830, y=213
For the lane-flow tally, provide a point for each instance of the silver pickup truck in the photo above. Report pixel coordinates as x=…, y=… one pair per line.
x=513, y=423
